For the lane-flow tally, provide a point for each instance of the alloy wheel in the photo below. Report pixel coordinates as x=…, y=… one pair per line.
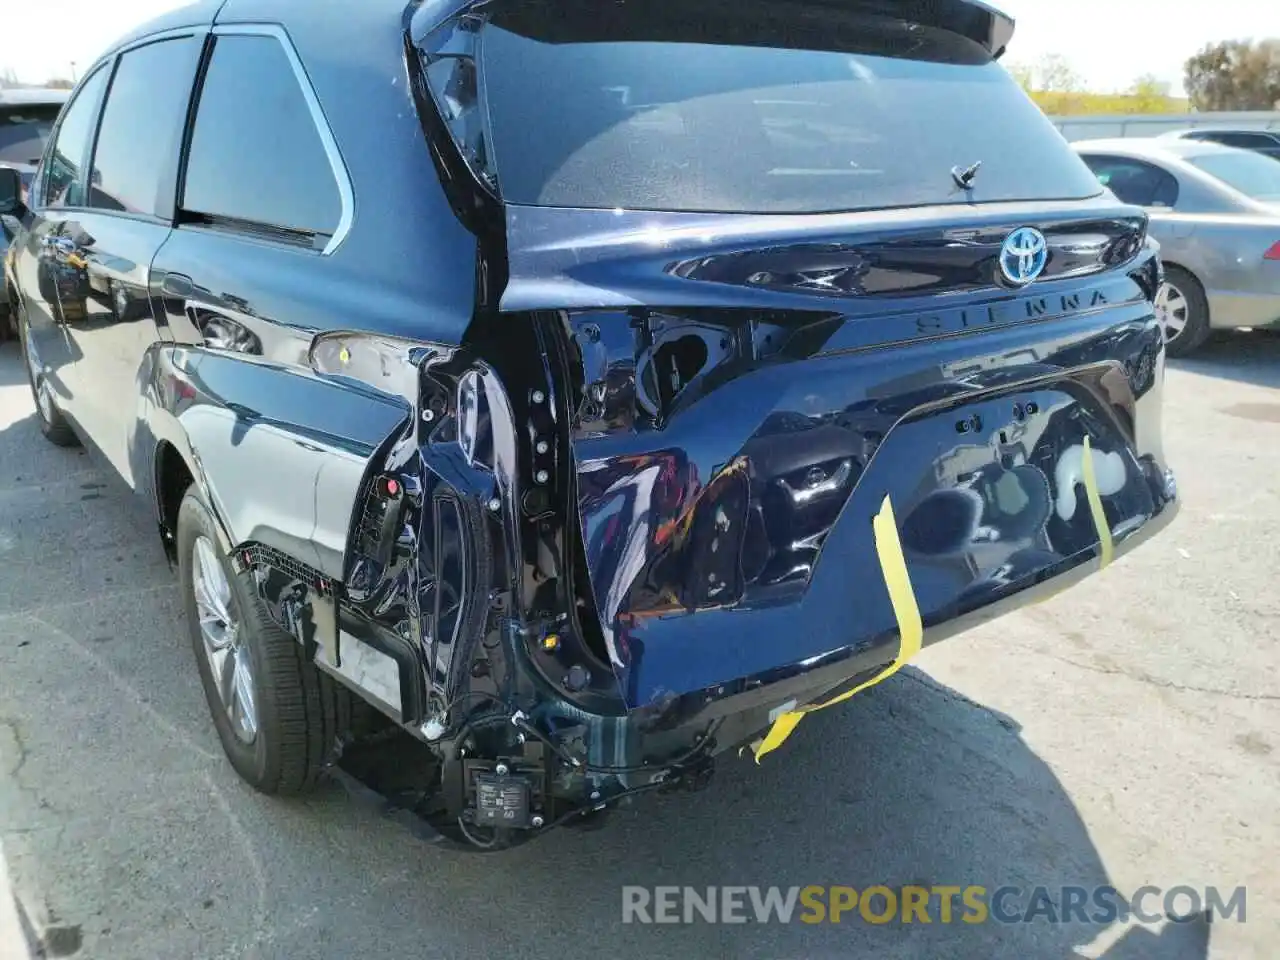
x=223, y=636
x=40, y=388
x=44, y=399
x=1172, y=310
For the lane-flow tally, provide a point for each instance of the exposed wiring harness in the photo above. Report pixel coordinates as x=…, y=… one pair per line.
x=524, y=723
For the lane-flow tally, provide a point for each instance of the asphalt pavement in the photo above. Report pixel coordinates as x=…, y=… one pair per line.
x=1127, y=733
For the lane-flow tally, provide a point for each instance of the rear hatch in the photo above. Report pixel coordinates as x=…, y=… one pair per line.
x=788, y=244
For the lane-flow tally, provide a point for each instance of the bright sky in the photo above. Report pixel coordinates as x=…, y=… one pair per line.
x=1112, y=42
x=39, y=39
x=1108, y=42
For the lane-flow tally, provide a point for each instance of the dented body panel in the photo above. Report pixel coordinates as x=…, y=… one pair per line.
x=733, y=445
x=765, y=503
x=580, y=498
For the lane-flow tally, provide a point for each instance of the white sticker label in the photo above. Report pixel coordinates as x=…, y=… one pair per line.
x=778, y=711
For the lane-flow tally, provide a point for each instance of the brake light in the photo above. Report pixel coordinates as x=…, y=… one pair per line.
x=1273, y=253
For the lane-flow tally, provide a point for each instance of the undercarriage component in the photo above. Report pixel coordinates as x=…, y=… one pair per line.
x=500, y=802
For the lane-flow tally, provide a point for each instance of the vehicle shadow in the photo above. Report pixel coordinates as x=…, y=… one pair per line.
x=911, y=784
x=12, y=373
x=1252, y=357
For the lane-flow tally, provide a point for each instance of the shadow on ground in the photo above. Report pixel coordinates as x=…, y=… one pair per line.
x=911, y=785
x=11, y=371
x=1247, y=357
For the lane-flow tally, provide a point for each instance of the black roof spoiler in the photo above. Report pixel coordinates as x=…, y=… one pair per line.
x=974, y=19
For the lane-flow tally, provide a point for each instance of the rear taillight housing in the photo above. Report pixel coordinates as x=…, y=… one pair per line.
x=388, y=364
x=1273, y=253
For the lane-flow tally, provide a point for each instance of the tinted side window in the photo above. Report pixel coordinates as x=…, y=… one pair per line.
x=62, y=181
x=256, y=154
x=1133, y=181
x=1246, y=141
x=142, y=125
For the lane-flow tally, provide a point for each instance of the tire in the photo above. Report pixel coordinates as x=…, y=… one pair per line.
x=55, y=427
x=299, y=713
x=1181, y=302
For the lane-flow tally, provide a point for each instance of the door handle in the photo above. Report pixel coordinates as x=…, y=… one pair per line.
x=177, y=285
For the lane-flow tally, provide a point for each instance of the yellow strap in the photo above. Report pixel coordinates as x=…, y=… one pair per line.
x=1095, y=506
x=893, y=566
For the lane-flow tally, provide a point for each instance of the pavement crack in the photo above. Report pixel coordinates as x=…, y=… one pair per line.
x=1146, y=678
x=19, y=745
x=14, y=773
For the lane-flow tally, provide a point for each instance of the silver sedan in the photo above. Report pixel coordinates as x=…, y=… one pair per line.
x=1216, y=212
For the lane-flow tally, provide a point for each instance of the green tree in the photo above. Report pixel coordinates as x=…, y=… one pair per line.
x=1056, y=75
x=1024, y=74
x=1058, y=84
x=1150, y=94
x=1235, y=75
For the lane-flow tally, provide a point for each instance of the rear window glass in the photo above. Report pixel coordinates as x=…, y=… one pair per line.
x=1252, y=174
x=24, y=131
x=857, y=112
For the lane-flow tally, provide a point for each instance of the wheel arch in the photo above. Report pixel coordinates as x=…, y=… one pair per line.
x=173, y=477
x=175, y=464
x=174, y=474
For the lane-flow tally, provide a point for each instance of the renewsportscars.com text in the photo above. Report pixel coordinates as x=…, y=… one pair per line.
x=936, y=904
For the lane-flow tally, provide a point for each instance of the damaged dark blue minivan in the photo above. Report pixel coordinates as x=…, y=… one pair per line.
x=540, y=399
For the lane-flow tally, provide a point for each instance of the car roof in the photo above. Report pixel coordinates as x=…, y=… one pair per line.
x=1190, y=131
x=346, y=16
x=27, y=96
x=190, y=15
x=1152, y=147
x=980, y=20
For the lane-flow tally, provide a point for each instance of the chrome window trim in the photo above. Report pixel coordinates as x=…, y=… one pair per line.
x=340, y=173
x=173, y=33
